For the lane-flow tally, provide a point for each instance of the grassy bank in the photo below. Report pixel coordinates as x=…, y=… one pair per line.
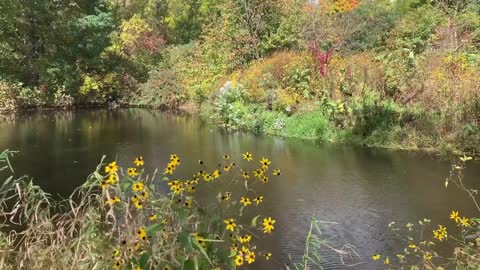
x=324, y=108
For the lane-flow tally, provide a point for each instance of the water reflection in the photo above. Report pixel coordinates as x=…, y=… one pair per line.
x=357, y=191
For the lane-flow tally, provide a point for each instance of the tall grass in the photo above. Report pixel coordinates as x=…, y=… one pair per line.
x=124, y=219
x=37, y=232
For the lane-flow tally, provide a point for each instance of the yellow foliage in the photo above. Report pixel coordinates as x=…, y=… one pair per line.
x=336, y=6
x=89, y=85
x=449, y=81
x=356, y=72
x=270, y=70
x=288, y=97
x=132, y=30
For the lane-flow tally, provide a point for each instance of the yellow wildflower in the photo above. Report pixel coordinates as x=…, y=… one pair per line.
x=137, y=186
x=245, y=239
x=216, y=174
x=153, y=217
x=103, y=184
x=144, y=195
x=464, y=222
x=226, y=197
x=258, y=200
x=142, y=234
x=191, y=189
x=247, y=156
x=250, y=256
x=113, y=200
x=376, y=257
x=268, y=255
x=138, y=204
x=132, y=172
x=258, y=173
x=454, y=216
x=207, y=177
x=168, y=170
x=112, y=179
x=116, y=253
x=178, y=189
x=117, y=264
x=265, y=179
x=111, y=168
x=245, y=201
x=268, y=225
x=386, y=261
x=138, y=161
x=265, y=162
x=239, y=260
x=245, y=175
x=276, y=172
x=230, y=224
x=188, y=203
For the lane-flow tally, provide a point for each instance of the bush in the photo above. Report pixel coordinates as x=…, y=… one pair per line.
x=374, y=115
x=9, y=96
x=162, y=89
x=280, y=71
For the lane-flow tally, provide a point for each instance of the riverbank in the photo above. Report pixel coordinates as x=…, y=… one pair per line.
x=311, y=126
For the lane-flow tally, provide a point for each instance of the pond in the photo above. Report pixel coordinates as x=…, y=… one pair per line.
x=355, y=191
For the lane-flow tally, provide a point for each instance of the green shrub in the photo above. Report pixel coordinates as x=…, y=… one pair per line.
x=373, y=114
x=9, y=96
x=162, y=89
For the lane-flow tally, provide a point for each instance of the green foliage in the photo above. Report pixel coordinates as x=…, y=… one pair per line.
x=375, y=20
x=374, y=115
x=310, y=125
x=161, y=90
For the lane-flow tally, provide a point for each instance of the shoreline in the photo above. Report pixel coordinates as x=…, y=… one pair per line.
x=188, y=109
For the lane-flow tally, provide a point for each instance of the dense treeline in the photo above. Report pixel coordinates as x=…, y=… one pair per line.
x=386, y=72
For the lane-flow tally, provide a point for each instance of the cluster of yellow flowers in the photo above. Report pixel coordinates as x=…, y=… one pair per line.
x=440, y=233
x=139, y=193
x=173, y=164
x=462, y=221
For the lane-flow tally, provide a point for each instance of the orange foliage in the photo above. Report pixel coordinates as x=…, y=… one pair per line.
x=345, y=5
x=336, y=6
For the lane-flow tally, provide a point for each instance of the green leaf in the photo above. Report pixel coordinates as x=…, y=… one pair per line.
x=202, y=250
x=213, y=240
x=185, y=240
x=144, y=260
x=195, y=262
x=125, y=186
x=232, y=253
x=154, y=228
x=254, y=221
x=182, y=215
x=188, y=265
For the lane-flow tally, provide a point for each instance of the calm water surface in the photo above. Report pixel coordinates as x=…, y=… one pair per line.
x=356, y=191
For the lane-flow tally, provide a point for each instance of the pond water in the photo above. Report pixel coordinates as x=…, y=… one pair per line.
x=356, y=191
